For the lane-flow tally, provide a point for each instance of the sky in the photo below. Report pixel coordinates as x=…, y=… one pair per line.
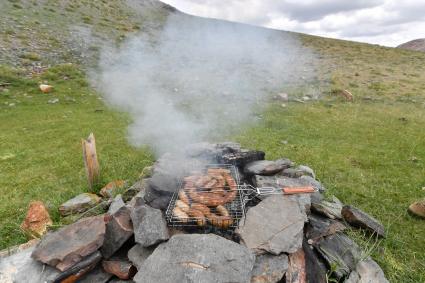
x=384, y=22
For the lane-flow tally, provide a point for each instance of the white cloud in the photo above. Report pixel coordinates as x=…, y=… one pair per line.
x=385, y=22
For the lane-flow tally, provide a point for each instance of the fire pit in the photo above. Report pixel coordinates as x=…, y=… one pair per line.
x=207, y=200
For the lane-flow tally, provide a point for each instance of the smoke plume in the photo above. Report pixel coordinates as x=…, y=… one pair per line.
x=197, y=78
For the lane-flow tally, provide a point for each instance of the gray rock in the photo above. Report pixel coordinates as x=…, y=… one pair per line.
x=78, y=204
x=357, y=218
x=282, y=97
x=306, y=171
x=118, y=230
x=292, y=173
x=136, y=188
x=21, y=268
x=331, y=209
x=263, y=167
x=269, y=268
x=316, y=270
x=320, y=226
x=275, y=225
x=138, y=254
x=149, y=225
x=314, y=183
x=116, y=204
x=240, y=159
x=97, y=275
x=340, y=251
x=156, y=200
x=138, y=199
x=70, y=244
x=367, y=271
x=197, y=258
x=286, y=163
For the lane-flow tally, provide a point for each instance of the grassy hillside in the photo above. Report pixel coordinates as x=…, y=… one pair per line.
x=370, y=153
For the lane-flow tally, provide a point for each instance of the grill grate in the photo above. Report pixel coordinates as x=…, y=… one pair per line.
x=235, y=208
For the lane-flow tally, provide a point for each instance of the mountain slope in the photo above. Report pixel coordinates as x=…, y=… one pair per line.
x=417, y=45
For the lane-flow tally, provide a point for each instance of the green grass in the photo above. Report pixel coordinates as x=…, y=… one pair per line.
x=40, y=152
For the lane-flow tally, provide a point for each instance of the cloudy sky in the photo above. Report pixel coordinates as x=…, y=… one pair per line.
x=385, y=22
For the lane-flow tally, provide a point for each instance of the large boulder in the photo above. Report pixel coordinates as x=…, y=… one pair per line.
x=150, y=226
x=275, y=225
x=197, y=258
x=69, y=245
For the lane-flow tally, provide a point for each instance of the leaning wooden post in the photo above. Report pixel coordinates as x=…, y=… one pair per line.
x=90, y=161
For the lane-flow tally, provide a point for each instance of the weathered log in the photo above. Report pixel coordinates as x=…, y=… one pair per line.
x=90, y=160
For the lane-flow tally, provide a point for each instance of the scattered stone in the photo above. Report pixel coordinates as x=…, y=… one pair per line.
x=112, y=188
x=118, y=230
x=263, y=167
x=138, y=254
x=296, y=270
x=357, y=218
x=319, y=227
x=21, y=268
x=37, y=220
x=418, y=208
x=197, y=258
x=53, y=101
x=269, y=268
x=331, y=209
x=70, y=244
x=78, y=204
x=240, y=159
x=45, y=88
x=340, y=251
x=345, y=94
x=315, y=268
x=282, y=97
x=149, y=225
x=122, y=269
x=367, y=271
x=116, y=204
x=97, y=275
x=275, y=225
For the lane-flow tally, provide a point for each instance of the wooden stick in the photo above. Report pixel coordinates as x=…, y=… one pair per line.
x=90, y=160
x=297, y=190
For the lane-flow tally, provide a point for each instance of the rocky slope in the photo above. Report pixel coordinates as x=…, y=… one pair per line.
x=417, y=44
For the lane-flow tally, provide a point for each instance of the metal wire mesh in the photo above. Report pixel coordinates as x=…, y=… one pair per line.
x=235, y=208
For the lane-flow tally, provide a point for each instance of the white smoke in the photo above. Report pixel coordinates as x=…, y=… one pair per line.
x=197, y=78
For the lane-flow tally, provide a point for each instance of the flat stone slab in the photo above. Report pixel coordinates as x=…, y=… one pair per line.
x=70, y=244
x=320, y=226
x=118, y=230
x=269, y=268
x=150, y=226
x=331, y=209
x=21, y=268
x=367, y=271
x=340, y=251
x=357, y=218
x=275, y=225
x=138, y=254
x=197, y=258
x=263, y=167
x=78, y=204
